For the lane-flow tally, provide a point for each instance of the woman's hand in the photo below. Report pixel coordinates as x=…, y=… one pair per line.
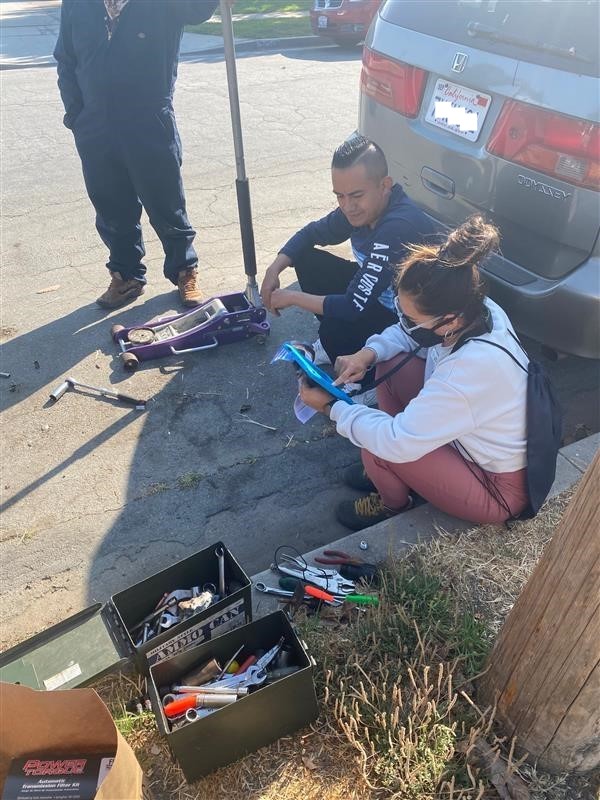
x=315, y=397
x=352, y=369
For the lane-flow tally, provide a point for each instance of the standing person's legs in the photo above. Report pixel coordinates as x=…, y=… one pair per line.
x=152, y=152
x=444, y=479
x=118, y=209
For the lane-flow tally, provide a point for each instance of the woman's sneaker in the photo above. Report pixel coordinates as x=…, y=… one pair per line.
x=366, y=511
x=356, y=478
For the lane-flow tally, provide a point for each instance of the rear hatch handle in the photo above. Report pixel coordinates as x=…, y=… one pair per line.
x=437, y=183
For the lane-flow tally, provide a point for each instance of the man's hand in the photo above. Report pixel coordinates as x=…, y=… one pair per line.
x=271, y=279
x=283, y=298
x=315, y=397
x=269, y=285
x=352, y=369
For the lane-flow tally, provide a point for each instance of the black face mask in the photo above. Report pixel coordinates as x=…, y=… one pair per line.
x=426, y=337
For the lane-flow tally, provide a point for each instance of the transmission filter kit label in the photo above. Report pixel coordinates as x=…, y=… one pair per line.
x=50, y=778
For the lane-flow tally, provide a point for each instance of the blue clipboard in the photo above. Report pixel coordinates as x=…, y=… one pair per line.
x=317, y=375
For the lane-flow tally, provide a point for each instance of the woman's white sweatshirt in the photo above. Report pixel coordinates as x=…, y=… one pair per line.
x=477, y=396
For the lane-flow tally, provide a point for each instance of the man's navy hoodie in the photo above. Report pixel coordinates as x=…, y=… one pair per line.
x=376, y=250
x=134, y=71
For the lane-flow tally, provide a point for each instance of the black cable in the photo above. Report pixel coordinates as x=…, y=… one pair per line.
x=303, y=569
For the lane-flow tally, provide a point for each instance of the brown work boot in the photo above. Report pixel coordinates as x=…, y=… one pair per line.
x=189, y=292
x=120, y=292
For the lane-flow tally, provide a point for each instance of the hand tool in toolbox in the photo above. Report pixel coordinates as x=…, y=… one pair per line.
x=226, y=689
x=220, y=320
x=352, y=568
x=71, y=383
x=179, y=604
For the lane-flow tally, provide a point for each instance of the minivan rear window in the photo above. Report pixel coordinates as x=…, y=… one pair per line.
x=556, y=33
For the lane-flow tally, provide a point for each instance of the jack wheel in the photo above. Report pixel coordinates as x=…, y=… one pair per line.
x=115, y=330
x=130, y=362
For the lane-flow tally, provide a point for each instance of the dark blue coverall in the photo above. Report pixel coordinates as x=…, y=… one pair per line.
x=117, y=91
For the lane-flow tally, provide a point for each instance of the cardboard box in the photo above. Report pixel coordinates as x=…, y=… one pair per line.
x=99, y=639
x=258, y=719
x=49, y=749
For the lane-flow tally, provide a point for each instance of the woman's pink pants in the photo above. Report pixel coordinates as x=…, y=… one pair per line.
x=442, y=477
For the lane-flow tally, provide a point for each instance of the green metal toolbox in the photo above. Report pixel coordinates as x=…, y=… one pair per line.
x=98, y=640
x=266, y=714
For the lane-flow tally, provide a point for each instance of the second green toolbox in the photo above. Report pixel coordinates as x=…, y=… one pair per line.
x=227, y=716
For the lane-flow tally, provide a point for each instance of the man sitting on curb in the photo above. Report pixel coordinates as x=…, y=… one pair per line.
x=352, y=299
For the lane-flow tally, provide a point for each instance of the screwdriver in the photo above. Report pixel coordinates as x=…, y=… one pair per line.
x=360, y=599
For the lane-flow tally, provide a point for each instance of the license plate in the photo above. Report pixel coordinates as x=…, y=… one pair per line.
x=458, y=109
x=321, y=22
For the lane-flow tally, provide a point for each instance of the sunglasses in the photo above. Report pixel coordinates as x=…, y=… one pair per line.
x=408, y=324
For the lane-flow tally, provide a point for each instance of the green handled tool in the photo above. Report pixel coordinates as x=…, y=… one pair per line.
x=360, y=599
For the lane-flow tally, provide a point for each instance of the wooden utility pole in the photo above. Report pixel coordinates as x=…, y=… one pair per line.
x=544, y=671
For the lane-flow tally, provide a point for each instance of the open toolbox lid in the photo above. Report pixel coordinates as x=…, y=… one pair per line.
x=99, y=640
x=71, y=653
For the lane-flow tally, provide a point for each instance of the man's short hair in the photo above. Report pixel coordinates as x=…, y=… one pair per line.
x=360, y=150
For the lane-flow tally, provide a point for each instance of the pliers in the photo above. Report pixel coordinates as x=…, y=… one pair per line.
x=337, y=557
x=354, y=569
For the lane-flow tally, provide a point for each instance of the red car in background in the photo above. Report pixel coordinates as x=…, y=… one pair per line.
x=346, y=22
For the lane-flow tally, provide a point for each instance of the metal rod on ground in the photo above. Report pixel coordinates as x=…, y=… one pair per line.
x=241, y=185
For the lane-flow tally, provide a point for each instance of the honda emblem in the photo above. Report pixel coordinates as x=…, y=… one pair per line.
x=460, y=62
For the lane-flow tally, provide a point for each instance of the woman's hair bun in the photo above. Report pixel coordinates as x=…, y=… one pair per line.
x=470, y=243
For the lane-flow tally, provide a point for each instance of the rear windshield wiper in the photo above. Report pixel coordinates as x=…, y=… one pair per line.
x=476, y=29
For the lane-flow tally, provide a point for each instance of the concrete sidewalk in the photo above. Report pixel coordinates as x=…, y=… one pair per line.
x=29, y=30
x=397, y=535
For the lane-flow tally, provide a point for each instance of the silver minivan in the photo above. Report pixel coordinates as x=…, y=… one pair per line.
x=493, y=106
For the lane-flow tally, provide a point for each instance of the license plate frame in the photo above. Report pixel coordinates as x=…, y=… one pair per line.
x=458, y=109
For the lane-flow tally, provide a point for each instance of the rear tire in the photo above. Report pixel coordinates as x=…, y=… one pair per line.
x=130, y=362
x=346, y=43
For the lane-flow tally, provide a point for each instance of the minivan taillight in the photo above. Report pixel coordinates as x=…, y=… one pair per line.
x=563, y=147
x=393, y=84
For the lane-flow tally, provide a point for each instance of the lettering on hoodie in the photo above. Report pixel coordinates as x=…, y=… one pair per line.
x=370, y=275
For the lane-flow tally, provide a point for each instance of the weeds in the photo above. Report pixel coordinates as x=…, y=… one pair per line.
x=189, y=481
x=391, y=681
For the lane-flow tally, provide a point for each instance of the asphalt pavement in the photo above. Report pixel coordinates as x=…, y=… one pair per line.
x=97, y=496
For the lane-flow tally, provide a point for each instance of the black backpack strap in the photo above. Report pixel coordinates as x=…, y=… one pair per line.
x=391, y=371
x=518, y=341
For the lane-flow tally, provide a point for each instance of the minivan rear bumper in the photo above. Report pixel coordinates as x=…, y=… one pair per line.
x=564, y=314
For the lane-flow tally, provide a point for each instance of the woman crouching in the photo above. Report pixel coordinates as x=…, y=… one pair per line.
x=451, y=422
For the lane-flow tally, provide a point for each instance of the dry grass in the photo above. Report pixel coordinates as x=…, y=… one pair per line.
x=399, y=719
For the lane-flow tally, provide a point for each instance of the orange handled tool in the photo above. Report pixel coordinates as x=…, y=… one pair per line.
x=312, y=591
x=180, y=706
x=200, y=700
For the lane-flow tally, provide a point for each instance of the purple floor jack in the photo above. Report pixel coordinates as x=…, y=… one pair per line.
x=220, y=320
